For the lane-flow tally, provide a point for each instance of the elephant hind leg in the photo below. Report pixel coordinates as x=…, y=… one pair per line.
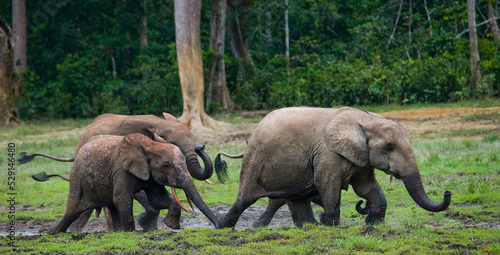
x=273, y=206
x=79, y=224
x=69, y=217
x=301, y=211
x=241, y=204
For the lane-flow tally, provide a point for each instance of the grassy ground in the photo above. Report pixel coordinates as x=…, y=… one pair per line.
x=463, y=162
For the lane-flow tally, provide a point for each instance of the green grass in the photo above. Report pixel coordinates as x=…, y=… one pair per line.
x=468, y=167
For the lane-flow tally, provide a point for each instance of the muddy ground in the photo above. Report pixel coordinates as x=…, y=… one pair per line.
x=420, y=124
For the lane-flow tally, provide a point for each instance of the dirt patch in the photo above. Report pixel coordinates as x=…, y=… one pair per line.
x=428, y=121
x=188, y=220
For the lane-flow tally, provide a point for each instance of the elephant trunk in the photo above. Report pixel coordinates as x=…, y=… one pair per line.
x=193, y=194
x=194, y=166
x=413, y=184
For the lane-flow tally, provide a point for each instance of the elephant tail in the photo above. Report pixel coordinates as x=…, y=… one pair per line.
x=221, y=165
x=41, y=177
x=25, y=158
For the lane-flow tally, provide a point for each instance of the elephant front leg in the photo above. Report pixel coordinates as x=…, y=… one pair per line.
x=124, y=204
x=148, y=220
x=328, y=182
x=367, y=187
x=159, y=198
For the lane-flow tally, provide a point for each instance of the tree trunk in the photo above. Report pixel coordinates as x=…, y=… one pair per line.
x=238, y=13
x=493, y=23
x=144, y=27
x=188, y=43
x=287, y=35
x=269, y=35
x=8, y=109
x=474, y=52
x=19, y=34
x=217, y=89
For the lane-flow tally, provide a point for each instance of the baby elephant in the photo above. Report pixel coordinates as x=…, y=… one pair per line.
x=108, y=170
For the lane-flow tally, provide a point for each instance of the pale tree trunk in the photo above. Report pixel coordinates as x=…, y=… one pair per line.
x=476, y=77
x=188, y=43
x=238, y=14
x=493, y=22
x=144, y=27
x=287, y=36
x=143, y=35
x=269, y=35
x=8, y=109
x=217, y=89
x=428, y=18
x=19, y=34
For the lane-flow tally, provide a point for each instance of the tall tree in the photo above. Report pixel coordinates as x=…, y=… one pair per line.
x=19, y=34
x=8, y=109
x=476, y=77
x=287, y=35
x=188, y=43
x=217, y=89
x=144, y=27
x=239, y=10
x=493, y=23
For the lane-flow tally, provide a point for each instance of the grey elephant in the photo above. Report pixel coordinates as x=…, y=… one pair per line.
x=170, y=129
x=300, y=152
x=108, y=170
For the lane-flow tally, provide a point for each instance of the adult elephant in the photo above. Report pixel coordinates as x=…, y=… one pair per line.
x=170, y=129
x=108, y=170
x=300, y=152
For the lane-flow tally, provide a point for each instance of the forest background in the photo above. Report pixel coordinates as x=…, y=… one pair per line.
x=89, y=57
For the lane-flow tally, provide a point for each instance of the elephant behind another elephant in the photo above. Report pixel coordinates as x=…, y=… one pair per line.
x=170, y=129
x=109, y=170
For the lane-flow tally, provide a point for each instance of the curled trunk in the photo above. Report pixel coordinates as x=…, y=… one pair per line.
x=413, y=184
x=194, y=166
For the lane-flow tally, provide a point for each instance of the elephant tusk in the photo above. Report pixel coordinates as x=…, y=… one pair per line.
x=190, y=203
x=390, y=179
x=207, y=181
x=177, y=200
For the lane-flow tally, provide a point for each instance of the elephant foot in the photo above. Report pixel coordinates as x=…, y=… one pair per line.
x=373, y=219
x=149, y=220
x=324, y=219
x=172, y=222
x=173, y=218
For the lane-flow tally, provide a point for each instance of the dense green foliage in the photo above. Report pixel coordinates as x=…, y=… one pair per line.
x=342, y=53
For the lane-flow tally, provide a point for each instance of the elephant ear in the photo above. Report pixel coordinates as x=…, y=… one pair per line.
x=170, y=117
x=347, y=138
x=133, y=155
x=158, y=138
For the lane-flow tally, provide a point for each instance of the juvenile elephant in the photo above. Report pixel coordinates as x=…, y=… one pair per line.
x=170, y=129
x=300, y=152
x=108, y=170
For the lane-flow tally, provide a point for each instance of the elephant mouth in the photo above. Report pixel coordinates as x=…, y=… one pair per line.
x=392, y=174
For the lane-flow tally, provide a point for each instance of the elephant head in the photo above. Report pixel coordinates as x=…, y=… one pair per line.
x=164, y=163
x=370, y=139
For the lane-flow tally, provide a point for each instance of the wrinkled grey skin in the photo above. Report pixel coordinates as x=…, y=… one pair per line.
x=297, y=153
x=170, y=129
x=108, y=171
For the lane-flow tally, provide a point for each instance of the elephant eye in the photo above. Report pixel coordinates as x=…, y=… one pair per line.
x=389, y=148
